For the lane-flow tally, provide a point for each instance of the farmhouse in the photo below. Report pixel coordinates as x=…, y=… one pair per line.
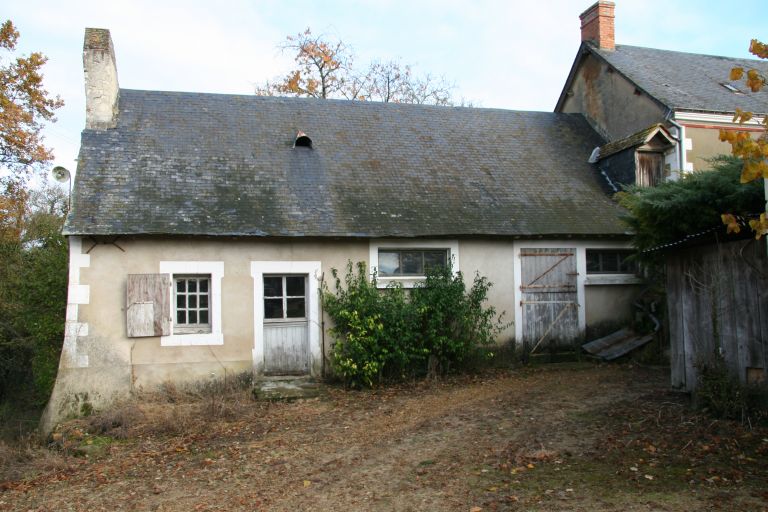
x=202, y=224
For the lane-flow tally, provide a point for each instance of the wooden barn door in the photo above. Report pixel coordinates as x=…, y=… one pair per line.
x=549, y=301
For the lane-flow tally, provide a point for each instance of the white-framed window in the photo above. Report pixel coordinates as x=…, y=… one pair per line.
x=408, y=261
x=610, y=266
x=610, y=261
x=195, y=302
x=192, y=304
x=285, y=298
x=411, y=262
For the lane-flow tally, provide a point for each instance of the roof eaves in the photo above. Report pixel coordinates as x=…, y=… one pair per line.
x=634, y=140
x=571, y=76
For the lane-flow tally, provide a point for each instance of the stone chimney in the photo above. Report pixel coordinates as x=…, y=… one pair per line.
x=101, y=88
x=597, y=25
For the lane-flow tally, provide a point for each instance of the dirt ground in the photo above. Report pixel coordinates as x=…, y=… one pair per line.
x=575, y=437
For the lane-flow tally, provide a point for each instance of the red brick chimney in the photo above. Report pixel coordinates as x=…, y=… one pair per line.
x=597, y=25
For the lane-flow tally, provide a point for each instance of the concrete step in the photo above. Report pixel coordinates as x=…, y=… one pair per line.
x=277, y=388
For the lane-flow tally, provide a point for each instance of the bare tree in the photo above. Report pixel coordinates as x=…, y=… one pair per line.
x=325, y=70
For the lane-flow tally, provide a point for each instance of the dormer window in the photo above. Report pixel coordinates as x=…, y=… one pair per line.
x=302, y=141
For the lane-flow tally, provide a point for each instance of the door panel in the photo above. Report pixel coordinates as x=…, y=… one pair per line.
x=549, y=301
x=286, y=348
x=286, y=340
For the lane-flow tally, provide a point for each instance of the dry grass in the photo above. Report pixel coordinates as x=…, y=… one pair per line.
x=28, y=457
x=576, y=438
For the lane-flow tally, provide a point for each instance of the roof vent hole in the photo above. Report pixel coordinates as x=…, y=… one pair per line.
x=302, y=141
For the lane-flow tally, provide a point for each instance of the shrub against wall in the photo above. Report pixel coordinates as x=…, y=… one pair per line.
x=394, y=334
x=670, y=211
x=33, y=297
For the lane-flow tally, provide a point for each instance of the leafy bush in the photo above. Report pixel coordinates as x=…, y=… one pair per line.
x=33, y=288
x=670, y=211
x=392, y=334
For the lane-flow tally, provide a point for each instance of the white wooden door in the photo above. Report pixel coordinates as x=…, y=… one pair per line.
x=286, y=346
x=549, y=300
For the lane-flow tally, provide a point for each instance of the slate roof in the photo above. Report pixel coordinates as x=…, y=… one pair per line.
x=631, y=141
x=208, y=164
x=687, y=81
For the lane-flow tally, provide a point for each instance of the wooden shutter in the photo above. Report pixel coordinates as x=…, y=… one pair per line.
x=650, y=169
x=148, y=311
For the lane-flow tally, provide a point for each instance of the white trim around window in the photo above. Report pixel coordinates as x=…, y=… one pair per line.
x=216, y=270
x=452, y=246
x=312, y=269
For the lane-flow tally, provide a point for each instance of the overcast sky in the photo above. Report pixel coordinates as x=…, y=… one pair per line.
x=501, y=54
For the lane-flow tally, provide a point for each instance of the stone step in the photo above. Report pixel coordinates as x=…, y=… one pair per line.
x=287, y=388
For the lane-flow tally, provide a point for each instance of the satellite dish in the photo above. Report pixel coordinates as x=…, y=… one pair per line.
x=60, y=174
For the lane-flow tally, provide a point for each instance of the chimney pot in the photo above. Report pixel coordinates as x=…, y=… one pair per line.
x=101, y=86
x=597, y=25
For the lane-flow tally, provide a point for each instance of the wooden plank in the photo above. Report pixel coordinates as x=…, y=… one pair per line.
x=676, y=379
x=285, y=348
x=686, y=304
x=753, y=356
x=761, y=304
x=705, y=283
x=148, y=309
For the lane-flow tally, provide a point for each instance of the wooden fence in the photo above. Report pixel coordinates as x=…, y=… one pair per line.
x=717, y=298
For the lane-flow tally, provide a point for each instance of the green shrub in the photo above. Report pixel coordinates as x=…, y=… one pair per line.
x=390, y=334
x=33, y=288
x=673, y=209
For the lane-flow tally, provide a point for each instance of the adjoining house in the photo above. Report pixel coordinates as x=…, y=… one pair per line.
x=624, y=90
x=642, y=101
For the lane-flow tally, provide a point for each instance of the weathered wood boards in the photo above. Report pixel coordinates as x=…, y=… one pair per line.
x=148, y=308
x=549, y=298
x=717, y=298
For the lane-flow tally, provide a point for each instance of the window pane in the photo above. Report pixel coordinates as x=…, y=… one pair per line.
x=192, y=285
x=434, y=259
x=273, y=287
x=180, y=285
x=203, y=301
x=181, y=317
x=610, y=262
x=295, y=308
x=192, y=315
x=412, y=263
x=593, y=261
x=389, y=263
x=273, y=308
x=626, y=266
x=294, y=286
x=180, y=301
x=203, y=316
x=192, y=301
x=203, y=286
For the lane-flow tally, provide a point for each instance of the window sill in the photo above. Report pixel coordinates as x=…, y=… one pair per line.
x=405, y=282
x=178, y=340
x=612, y=279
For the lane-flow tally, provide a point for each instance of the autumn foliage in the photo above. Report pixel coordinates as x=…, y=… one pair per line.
x=33, y=253
x=24, y=105
x=752, y=150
